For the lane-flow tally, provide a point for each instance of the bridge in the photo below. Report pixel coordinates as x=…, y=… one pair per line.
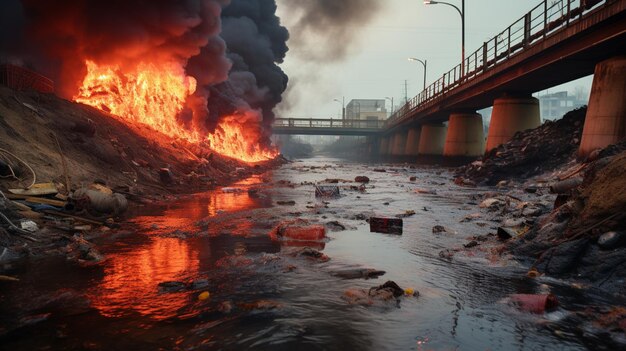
x=318, y=126
x=554, y=43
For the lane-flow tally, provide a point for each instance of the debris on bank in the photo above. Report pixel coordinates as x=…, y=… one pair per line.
x=529, y=153
x=388, y=292
x=584, y=236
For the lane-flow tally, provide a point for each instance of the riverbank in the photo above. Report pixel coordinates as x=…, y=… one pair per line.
x=50, y=148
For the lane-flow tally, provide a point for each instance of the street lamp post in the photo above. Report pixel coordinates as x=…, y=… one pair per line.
x=461, y=12
x=343, y=106
x=423, y=64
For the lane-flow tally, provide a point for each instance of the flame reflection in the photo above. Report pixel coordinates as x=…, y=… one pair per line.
x=134, y=270
x=131, y=279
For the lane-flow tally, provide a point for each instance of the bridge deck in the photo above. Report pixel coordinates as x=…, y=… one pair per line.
x=318, y=126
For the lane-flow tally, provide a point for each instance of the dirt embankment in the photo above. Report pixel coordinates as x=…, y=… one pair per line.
x=98, y=146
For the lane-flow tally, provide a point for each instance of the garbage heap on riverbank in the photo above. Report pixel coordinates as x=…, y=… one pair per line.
x=584, y=237
x=530, y=152
x=68, y=169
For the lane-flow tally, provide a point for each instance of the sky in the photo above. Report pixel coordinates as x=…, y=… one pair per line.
x=377, y=66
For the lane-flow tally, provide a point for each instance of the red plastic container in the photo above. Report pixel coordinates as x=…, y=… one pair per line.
x=534, y=303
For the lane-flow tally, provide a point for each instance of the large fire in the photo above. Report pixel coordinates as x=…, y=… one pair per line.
x=154, y=95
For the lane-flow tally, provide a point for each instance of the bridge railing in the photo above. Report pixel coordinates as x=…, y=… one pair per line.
x=544, y=19
x=328, y=123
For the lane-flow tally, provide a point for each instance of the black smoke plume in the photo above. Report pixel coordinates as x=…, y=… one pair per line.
x=232, y=48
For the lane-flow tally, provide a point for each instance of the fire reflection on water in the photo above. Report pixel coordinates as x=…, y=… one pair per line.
x=131, y=279
x=133, y=272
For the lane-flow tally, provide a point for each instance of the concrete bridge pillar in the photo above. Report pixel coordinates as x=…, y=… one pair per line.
x=605, y=123
x=432, y=139
x=412, y=142
x=511, y=115
x=399, y=143
x=392, y=140
x=384, y=145
x=465, y=137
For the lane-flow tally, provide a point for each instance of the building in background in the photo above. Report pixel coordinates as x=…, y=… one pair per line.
x=554, y=106
x=367, y=109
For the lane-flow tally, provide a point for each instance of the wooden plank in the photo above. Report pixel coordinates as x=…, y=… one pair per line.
x=45, y=201
x=37, y=190
x=78, y=218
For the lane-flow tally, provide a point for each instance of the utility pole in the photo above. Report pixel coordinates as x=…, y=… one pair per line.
x=406, y=92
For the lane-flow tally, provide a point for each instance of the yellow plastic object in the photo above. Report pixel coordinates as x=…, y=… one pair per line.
x=409, y=291
x=533, y=273
x=204, y=295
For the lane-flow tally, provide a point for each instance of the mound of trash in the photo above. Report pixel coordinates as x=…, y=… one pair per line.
x=530, y=152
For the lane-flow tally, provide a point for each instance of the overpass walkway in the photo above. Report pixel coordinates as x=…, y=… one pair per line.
x=319, y=126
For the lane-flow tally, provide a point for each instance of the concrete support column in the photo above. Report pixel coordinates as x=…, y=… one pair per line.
x=605, y=123
x=412, y=142
x=465, y=137
x=384, y=145
x=392, y=142
x=511, y=115
x=399, y=143
x=432, y=139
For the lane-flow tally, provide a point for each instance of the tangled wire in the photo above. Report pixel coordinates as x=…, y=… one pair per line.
x=8, y=157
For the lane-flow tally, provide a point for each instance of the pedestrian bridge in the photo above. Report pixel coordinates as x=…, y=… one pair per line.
x=319, y=126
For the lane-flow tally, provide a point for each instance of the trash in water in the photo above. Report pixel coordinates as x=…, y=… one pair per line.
x=386, y=225
x=204, y=295
x=534, y=303
x=326, y=191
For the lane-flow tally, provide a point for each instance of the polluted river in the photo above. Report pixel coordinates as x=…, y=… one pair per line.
x=203, y=272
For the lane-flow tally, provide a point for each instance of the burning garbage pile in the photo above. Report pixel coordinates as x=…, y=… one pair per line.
x=530, y=152
x=185, y=69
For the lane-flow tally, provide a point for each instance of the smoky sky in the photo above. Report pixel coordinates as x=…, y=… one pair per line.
x=256, y=43
x=232, y=48
x=335, y=22
x=60, y=35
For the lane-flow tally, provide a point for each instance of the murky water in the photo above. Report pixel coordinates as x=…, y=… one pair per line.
x=263, y=298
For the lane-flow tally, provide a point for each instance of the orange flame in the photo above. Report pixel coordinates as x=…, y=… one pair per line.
x=232, y=138
x=154, y=95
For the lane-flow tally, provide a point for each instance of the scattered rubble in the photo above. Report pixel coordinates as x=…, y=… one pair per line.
x=390, y=291
x=358, y=273
x=583, y=235
x=298, y=230
x=361, y=179
x=385, y=225
x=534, y=303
